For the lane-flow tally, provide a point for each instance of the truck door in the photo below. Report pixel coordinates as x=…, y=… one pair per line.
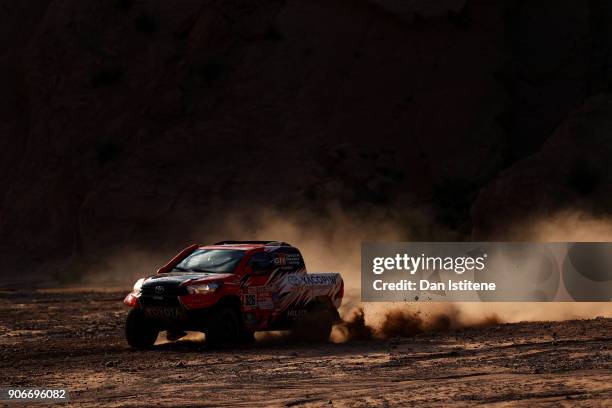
x=259, y=292
x=266, y=295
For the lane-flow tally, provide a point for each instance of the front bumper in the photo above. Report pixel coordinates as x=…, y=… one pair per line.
x=169, y=312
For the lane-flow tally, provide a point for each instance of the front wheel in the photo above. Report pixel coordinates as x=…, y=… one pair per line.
x=223, y=328
x=140, y=332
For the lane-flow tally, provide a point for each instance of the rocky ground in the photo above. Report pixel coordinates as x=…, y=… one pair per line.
x=75, y=340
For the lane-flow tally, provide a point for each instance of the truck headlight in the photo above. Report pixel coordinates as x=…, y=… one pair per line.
x=138, y=284
x=202, y=289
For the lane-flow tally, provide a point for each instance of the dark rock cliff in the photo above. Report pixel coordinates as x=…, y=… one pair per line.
x=128, y=121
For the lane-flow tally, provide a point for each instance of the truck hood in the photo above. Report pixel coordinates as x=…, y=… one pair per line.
x=172, y=282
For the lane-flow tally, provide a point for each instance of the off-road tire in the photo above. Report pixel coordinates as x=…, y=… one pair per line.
x=140, y=332
x=316, y=325
x=223, y=328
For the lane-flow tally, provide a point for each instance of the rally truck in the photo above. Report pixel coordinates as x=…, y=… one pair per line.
x=230, y=290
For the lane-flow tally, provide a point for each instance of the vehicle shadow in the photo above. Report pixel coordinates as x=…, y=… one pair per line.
x=274, y=342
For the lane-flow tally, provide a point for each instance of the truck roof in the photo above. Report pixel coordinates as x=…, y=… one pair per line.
x=245, y=245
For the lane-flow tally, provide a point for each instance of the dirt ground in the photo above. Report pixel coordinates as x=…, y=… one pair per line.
x=75, y=341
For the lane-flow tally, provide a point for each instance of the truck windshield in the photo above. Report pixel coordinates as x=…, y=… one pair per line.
x=211, y=261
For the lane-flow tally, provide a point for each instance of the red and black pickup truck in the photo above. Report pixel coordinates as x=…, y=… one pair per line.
x=231, y=289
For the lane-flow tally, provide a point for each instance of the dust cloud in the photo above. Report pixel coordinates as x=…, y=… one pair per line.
x=332, y=243
x=566, y=226
x=404, y=322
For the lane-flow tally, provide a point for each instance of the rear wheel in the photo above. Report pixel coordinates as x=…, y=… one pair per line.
x=223, y=327
x=317, y=324
x=140, y=332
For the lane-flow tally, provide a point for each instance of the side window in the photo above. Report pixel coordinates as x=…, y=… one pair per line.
x=289, y=260
x=261, y=263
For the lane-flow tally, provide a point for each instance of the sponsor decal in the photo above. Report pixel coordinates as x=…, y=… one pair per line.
x=293, y=279
x=267, y=289
x=265, y=302
x=250, y=300
x=286, y=259
x=163, y=313
x=296, y=313
x=280, y=259
x=312, y=279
